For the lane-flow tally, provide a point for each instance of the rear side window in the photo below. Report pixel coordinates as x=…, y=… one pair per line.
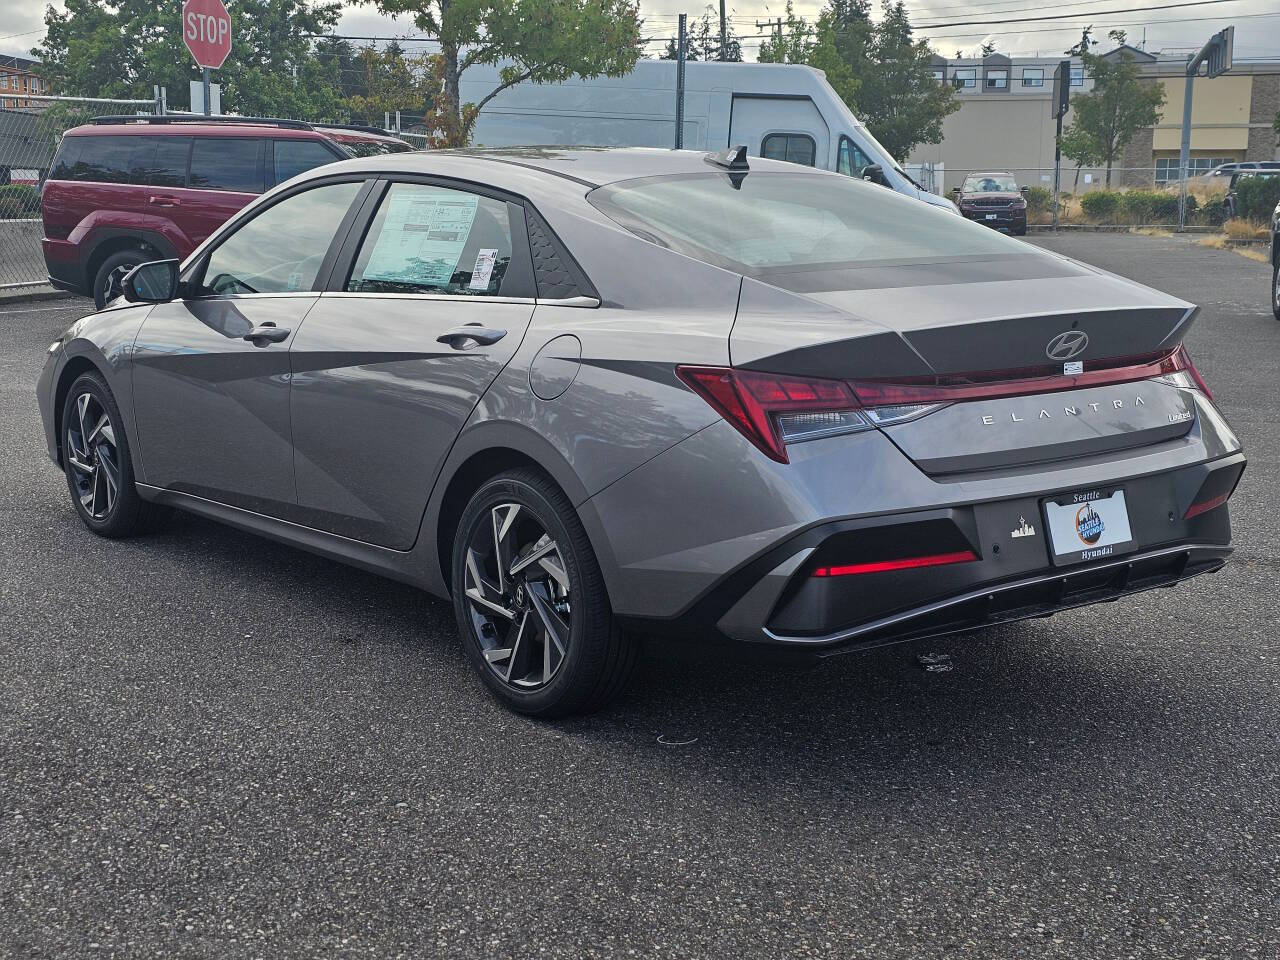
x=162, y=162
x=791, y=147
x=227, y=163
x=293, y=157
x=65, y=163
x=427, y=239
x=99, y=159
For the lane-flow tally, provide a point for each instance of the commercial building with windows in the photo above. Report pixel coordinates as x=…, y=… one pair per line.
x=1004, y=122
x=17, y=77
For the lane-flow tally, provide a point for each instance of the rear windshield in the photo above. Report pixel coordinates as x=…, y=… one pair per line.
x=783, y=222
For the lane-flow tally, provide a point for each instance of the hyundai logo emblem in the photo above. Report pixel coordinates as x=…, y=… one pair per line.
x=1066, y=345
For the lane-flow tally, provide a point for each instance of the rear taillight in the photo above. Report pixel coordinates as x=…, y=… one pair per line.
x=905, y=563
x=772, y=410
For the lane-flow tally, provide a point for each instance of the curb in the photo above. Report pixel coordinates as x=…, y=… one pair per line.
x=1117, y=228
x=28, y=295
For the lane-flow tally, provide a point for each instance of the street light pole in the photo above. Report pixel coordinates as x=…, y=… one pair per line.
x=208, y=106
x=680, y=83
x=1216, y=56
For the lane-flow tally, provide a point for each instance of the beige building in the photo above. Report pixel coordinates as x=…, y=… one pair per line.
x=1005, y=122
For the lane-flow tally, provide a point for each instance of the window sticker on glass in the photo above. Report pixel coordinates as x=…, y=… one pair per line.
x=422, y=238
x=485, y=261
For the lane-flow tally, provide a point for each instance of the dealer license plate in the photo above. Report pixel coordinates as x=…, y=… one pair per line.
x=1087, y=526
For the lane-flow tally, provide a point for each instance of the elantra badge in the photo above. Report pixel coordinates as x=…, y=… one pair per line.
x=1024, y=529
x=1068, y=344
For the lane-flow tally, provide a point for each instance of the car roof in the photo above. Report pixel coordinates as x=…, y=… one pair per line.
x=588, y=166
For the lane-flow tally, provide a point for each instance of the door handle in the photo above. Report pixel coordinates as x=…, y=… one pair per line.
x=164, y=201
x=267, y=333
x=476, y=334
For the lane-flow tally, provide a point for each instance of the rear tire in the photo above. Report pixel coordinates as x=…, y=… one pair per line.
x=531, y=603
x=106, y=283
x=97, y=463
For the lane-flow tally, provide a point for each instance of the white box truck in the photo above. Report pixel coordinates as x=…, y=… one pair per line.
x=782, y=111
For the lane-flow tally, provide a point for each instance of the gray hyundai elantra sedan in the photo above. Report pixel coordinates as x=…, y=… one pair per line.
x=596, y=394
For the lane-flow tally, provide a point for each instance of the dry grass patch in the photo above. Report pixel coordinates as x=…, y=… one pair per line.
x=1245, y=230
x=1221, y=242
x=1152, y=232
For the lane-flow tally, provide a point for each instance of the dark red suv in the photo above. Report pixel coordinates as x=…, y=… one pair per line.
x=125, y=190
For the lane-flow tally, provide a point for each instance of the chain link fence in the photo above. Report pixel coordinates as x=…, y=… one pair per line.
x=29, y=138
x=1130, y=196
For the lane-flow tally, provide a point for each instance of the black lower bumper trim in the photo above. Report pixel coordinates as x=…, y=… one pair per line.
x=1036, y=596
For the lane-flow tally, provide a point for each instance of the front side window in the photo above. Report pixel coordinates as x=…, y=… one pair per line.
x=997, y=79
x=227, y=163
x=281, y=249
x=428, y=239
x=851, y=161
x=791, y=147
x=1033, y=77
x=966, y=78
x=293, y=157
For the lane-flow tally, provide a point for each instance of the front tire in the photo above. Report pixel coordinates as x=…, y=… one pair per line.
x=106, y=282
x=96, y=460
x=531, y=603
x=1275, y=289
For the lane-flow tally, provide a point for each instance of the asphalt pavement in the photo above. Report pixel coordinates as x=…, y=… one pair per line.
x=214, y=746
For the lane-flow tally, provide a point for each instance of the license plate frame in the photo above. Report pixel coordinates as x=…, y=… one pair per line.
x=1071, y=518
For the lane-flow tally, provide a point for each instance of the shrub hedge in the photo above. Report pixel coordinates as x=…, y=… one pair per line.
x=18, y=200
x=1256, y=197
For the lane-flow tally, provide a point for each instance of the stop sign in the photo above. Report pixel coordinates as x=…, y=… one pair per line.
x=206, y=30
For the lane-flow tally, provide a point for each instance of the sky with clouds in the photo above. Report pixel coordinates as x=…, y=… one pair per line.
x=1180, y=29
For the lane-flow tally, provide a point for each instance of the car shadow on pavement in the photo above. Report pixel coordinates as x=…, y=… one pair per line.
x=1023, y=700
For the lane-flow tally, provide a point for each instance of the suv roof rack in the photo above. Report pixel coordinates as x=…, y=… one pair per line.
x=197, y=118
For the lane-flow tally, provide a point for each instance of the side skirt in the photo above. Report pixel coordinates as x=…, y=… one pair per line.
x=405, y=566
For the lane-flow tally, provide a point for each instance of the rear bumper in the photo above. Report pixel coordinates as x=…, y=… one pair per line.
x=696, y=545
x=62, y=260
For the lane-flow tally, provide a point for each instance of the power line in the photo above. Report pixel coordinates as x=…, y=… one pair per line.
x=1092, y=13
x=1084, y=16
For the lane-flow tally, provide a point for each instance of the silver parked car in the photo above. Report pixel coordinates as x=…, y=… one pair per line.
x=596, y=394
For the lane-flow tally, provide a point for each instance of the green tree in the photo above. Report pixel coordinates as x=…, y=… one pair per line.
x=879, y=70
x=1080, y=147
x=386, y=81
x=988, y=48
x=121, y=48
x=1105, y=119
x=702, y=40
x=544, y=41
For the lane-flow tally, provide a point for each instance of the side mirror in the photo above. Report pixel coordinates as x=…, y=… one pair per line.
x=875, y=174
x=154, y=282
x=955, y=191
x=1024, y=190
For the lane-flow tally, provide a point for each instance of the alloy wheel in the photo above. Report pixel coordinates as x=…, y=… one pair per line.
x=94, y=457
x=517, y=588
x=113, y=286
